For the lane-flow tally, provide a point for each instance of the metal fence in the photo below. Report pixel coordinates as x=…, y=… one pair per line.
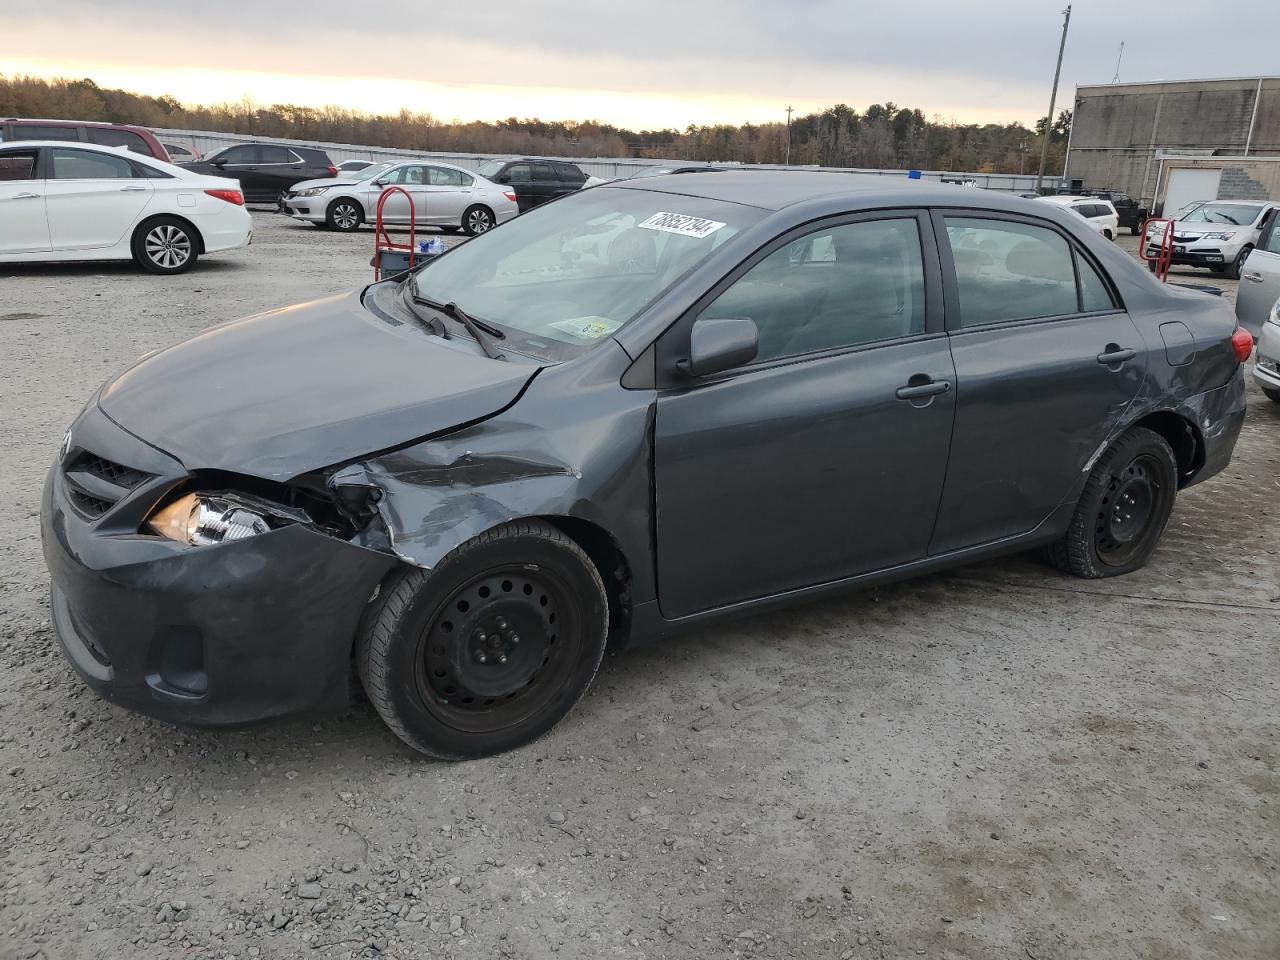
x=607, y=168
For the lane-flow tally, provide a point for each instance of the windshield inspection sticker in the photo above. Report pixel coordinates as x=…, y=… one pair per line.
x=587, y=328
x=682, y=224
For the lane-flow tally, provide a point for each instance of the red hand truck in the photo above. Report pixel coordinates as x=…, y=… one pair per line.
x=387, y=254
x=1163, y=258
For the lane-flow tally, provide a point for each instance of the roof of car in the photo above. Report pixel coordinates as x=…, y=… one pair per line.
x=79, y=145
x=72, y=123
x=1073, y=198
x=776, y=189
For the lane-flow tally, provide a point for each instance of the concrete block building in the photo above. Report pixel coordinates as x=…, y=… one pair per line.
x=1173, y=142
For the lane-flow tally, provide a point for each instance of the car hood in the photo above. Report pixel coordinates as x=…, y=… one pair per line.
x=323, y=182
x=305, y=387
x=1200, y=227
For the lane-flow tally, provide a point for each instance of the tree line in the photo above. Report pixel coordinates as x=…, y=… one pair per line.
x=884, y=135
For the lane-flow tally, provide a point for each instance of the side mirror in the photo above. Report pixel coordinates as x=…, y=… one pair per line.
x=219, y=163
x=380, y=182
x=503, y=178
x=721, y=344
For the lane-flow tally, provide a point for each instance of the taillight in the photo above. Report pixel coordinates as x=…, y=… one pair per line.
x=510, y=195
x=333, y=171
x=231, y=196
x=1242, y=343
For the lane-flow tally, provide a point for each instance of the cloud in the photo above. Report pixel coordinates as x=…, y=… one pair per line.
x=943, y=56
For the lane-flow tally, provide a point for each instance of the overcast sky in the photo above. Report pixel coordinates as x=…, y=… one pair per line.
x=638, y=63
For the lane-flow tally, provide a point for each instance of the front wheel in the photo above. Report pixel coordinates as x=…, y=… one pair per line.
x=490, y=648
x=166, y=245
x=344, y=214
x=1237, y=266
x=1272, y=395
x=477, y=220
x=1123, y=510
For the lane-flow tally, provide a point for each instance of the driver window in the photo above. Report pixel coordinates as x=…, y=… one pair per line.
x=837, y=287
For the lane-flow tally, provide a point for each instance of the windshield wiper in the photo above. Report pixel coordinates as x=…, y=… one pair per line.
x=481, y=332
x=433, y=323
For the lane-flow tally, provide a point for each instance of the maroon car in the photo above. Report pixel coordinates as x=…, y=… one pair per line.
x=106, y=134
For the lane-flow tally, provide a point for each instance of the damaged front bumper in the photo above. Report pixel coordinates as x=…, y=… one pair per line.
x=209, y=635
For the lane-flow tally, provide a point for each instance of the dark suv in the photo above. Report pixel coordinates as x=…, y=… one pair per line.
x=104, y=134
x=265, y=170
x=533, y=179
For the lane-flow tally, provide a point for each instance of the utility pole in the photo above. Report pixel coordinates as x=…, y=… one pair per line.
x=1053, y=98
x=788, y=162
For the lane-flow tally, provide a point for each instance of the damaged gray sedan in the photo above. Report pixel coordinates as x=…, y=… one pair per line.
x=642, y=408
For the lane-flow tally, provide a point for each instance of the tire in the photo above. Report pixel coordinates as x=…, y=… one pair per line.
x=1237, y=265
x=1151, y=265
x=1272, y=395
x=478, y=219
x=440, y=657
x=1139, y=473
x=1109, y=235
x=165, y=245
x=344, y=215
x=1135, y=230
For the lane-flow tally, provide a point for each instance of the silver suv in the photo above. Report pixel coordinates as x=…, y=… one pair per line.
x=1218, y=234
x=443, y=196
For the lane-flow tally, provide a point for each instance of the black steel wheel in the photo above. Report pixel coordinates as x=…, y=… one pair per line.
x=491, y=648
x=344, y=214
x=1123, y=510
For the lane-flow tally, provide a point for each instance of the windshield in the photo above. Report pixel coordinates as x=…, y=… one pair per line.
x=568, y=274
x=369, y=172
x=490, y=168
x=1236, y=213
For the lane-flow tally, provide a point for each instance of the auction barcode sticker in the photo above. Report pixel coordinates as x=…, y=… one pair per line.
x=682, y=224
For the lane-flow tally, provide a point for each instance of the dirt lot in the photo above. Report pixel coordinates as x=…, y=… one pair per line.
x=1000, y=762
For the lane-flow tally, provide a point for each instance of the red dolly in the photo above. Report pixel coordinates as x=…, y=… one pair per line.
x=387, y=254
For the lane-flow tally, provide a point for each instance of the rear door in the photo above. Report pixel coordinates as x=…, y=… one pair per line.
x=519, y=176
x=546, y=185
x=92, y=198
x=24, y=227
x=825, y=457
x=571, y=178
x=278, y=169
x=1260, y=282
x=448, y=192
x=1047, y=361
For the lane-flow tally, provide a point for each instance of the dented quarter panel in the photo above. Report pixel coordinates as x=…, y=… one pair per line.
x=574, y=446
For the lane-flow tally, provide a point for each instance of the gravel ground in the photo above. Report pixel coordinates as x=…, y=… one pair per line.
x=999, y=762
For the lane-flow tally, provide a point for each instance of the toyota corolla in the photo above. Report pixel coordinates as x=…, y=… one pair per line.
x=638, y=410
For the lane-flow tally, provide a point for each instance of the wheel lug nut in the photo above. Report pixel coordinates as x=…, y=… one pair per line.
x=502, y=659
x=502, y=624
x=480, y=657
x=515, y=638
x=481, y=636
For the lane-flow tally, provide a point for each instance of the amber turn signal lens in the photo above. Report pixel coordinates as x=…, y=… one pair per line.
x=177, y=521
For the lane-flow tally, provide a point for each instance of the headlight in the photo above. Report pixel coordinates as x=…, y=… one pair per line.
x=311, y=192
x=200, y=520
x=1224, y=235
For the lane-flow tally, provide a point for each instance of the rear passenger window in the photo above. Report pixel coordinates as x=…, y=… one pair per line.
x=109, y=137
x=18, y=165
x=542, y=171
x=245, y=153
x=274, y=155
x=837, y=287
x=444, y=177
x=72, y=164
x=1008, y=271
x=1094, y=294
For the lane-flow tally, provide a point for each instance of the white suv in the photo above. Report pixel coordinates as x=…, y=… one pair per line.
x=1098, y=212
x=1218, y=234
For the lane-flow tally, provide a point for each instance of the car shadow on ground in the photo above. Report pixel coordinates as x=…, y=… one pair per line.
x=211, y=263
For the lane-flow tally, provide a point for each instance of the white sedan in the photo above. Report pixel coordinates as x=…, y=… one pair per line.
x=443, y=196
x=63, y=201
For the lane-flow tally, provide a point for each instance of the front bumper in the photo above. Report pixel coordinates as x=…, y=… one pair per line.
x=310, y=209
x=221, y=635
x=1193, y=255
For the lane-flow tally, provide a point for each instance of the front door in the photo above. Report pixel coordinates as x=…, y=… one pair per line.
x=1046, y=365
x=412, y=179
x=825, y=457
x=1260, y=282
x=25, y=228
x=92, y=199
x=240, y=163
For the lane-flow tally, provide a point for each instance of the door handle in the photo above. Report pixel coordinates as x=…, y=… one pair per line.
x=1116, y=354
x=133, y=188
x=1253, y=276
x=917, y=391
x=25, y=196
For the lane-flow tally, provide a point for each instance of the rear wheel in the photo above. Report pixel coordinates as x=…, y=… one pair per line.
x=344, y=214
x=1108, y=234
x=478, y=219
x=165, y=245
x=1135, y=230
x=489, y=649
x=1123, y=510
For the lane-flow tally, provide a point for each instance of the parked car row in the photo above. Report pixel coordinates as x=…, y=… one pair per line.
x=1100, y=213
